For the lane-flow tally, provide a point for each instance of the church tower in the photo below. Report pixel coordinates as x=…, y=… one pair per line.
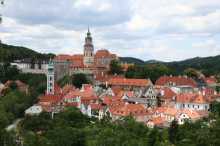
x=88, y=58
x=50, y=78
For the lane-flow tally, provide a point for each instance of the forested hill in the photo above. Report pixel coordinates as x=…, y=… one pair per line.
x=205, y=64
x=131, y=60
x=9, y=53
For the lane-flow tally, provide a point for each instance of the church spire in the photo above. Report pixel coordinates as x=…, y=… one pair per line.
x=88, y=33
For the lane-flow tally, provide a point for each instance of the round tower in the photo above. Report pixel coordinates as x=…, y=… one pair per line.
x=88, y=58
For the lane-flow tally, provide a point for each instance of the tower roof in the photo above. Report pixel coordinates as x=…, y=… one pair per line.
x=88, y=33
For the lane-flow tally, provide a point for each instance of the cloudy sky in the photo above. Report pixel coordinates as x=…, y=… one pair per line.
x=148, y=29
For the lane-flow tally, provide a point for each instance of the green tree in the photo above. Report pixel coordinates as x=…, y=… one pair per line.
x=79, y=79
x=115, y=67
x=191, y=72
x=173, y=131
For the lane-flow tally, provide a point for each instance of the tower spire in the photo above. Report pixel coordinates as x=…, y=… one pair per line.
x=88, y=33
x=88, y=29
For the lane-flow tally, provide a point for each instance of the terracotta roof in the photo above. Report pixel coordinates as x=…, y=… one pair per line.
x=210, y=80
x=77, y=59
x=50, y=99
x=129, y=82
x=116, y=90
x=102, y=53
x=128, y=109
x=158, y=121
x=168, y=93
x=178, y=80
x=191, y=98
x=193, y=114
x=171, y=111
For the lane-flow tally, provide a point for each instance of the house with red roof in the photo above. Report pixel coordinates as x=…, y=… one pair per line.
x=173, y=81
x=192, y=101
x=51, y=103
x=210, y=81
x=129, y=84
x=138, y=111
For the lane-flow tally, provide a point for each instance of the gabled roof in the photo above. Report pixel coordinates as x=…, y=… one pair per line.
x=167, y=93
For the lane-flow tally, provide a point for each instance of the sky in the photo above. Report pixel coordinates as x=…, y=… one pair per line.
x=166, y=30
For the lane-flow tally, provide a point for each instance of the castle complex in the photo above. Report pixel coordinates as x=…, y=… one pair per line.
x=90, y=62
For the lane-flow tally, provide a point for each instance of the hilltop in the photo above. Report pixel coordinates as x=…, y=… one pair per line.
x=9, y=53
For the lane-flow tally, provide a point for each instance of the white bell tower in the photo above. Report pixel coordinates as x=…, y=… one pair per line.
x=50, y=78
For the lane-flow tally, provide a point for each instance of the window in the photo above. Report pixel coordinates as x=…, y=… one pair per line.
x=183, y=105
x=198, y=106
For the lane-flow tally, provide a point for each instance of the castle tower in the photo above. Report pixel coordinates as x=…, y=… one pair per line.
x=88, y=58
x=50, y=78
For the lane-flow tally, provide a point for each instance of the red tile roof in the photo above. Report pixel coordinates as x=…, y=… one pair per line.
x=102, y=53
x=128, y=109
x=158, y=121
x=168, y=93
x=210, y=80
x=191, y=98
x=178, y=80
x=107, y=100
x=129, y=82
x=50, y=99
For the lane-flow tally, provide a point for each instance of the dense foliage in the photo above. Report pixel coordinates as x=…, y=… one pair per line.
x=207, y=65
x=9, y=53
x=76, y=79
x=131, y=60
x=71, y=128
x=115, y=67
x=14, y=102
x=152, y=71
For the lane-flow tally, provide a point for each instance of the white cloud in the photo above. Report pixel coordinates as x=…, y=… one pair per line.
x=160, y=29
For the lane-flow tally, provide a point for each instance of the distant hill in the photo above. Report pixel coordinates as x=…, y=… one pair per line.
x=205, y=64
x=153, y=61
x=208, y=65
x=9, y=53
x=131, y=60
